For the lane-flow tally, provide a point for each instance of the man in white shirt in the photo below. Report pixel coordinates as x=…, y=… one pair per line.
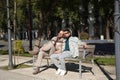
x=69, y=49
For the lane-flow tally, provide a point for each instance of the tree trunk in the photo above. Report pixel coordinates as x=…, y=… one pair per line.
x=30, y=23
x=14, y=23
x=107, y=30
x=41, y=33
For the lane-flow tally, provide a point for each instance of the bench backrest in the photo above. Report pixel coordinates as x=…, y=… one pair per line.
x=87, y=53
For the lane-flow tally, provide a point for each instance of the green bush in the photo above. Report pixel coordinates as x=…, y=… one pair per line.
x=84, y=36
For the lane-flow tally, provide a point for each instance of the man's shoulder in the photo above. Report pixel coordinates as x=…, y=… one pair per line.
x=74, y=38
x=54, y=38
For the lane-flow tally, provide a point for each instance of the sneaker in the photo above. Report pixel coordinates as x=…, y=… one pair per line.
x=58, y=71
x=63, y=72
x=36, y=71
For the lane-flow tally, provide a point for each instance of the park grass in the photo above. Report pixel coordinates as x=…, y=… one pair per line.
x=105, y=60
x=3, y=52
x=25, y=54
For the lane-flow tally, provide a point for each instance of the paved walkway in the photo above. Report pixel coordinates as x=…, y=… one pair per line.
x=48, y=74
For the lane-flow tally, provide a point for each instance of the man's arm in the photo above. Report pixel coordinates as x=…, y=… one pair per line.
x=80, y=43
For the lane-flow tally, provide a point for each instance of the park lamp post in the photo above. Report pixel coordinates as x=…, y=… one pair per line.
x=10, y=64
x=117, y=37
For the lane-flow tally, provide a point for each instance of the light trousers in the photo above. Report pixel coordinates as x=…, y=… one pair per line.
x=46, y=50
x=59, y=59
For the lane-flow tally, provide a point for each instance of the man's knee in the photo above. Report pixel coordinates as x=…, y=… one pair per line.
x=47, y=46
x=52, y=57
x=61, y=58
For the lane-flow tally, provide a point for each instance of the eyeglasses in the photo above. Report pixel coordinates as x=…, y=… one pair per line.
x=66, y=33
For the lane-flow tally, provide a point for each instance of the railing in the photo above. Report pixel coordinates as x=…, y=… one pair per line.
x=98, y=41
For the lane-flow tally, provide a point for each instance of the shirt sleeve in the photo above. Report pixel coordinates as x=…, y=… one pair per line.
x=79, y=42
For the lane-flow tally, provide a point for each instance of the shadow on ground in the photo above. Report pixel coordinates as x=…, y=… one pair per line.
x=70, y=67
x=104, y=71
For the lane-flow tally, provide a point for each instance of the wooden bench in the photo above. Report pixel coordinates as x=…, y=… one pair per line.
x=85, y=55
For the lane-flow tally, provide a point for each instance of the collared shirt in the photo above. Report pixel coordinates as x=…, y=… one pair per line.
x=74, y=44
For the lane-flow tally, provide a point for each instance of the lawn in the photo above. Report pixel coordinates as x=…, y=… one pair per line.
x=105, y=60
x=5, y=52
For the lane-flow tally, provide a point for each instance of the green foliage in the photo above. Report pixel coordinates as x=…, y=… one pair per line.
x=47, y=11
x=105, y=60
x=3, y=52
x=59, y=12
x=25, y=54
x=36, y=23
x=84, y=36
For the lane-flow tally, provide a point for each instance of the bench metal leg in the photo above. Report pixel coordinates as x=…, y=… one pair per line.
x=93, y=66
x=80, y=69
x=47, y=62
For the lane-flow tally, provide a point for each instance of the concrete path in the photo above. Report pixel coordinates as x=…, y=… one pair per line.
x=48, y=74
x=7, y=75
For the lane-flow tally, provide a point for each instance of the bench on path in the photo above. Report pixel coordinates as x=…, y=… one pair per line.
x=85, y=55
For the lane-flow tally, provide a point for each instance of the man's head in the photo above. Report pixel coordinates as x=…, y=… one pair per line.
x=67, y=32
x=60, y=34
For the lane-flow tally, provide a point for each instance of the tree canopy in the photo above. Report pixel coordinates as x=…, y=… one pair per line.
x=49, y=16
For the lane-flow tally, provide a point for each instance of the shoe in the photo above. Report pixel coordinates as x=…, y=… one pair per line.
x=63, y=72
x=58, y=71
x=36, y=71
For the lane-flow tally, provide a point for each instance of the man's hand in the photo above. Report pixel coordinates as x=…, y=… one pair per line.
x=85, y=45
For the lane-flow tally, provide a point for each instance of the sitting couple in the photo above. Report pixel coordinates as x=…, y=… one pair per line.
x=60, y=47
